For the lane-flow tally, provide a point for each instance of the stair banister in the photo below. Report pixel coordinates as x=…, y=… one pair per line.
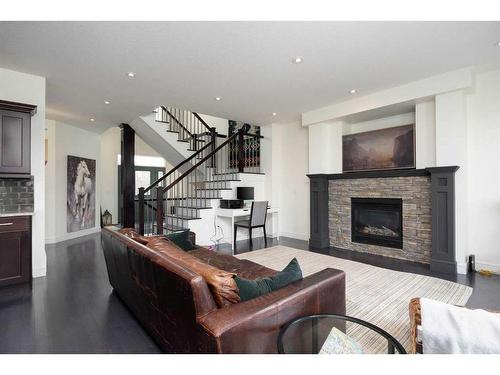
x=204, y=159
x=159, y=203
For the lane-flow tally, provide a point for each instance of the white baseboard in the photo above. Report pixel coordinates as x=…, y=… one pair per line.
x=462, y=268
x=488, y=266
x=39, y=272
x=70, y=236
x=297, y=236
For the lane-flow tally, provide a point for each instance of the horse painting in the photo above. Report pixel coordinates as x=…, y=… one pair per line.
x=81, y=194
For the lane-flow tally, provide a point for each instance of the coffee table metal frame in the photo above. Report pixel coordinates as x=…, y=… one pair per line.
x=392, y=343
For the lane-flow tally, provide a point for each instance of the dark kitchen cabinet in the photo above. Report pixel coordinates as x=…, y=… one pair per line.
x=15, y=250
x=15, y=138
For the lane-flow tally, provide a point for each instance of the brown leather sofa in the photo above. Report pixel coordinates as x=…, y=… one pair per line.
x=177, y=308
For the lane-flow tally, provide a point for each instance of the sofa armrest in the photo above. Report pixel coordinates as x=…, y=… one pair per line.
x=253, y=326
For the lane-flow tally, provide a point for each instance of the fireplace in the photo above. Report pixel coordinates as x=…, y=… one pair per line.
x=377, y=221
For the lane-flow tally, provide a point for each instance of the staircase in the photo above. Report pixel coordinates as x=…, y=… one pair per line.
x=185, y=197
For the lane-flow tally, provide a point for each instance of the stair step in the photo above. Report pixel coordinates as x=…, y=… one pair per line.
x=203, y=198
x=186, y=212
x=223, y=174
x=193, y=207
x=182, y=217
x=163, y=122
x=189, y=139
x=174, y=228
x=213, y=189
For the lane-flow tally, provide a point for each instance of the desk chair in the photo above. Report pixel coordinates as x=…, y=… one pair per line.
x=258, y=216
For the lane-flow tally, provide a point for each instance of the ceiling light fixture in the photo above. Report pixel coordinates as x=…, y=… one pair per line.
x=106, y=102
x=298, y=60
x=218, y=98
x=353, y=91
x=92, y=120
x=274, y=113
x=131, y=74
x=497, y=44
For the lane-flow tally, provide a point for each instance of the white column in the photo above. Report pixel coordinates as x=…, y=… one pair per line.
x=425, y=134
x=325, y=147
x=451, y=149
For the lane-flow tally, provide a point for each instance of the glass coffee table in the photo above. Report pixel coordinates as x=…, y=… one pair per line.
x=335, y=334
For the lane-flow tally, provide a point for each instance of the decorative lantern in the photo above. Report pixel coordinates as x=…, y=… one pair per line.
x=107, y=218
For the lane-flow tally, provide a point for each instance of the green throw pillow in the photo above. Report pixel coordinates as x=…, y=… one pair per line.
x=250, y=289
x=181, y=239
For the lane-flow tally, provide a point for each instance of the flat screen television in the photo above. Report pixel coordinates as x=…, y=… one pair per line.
x=244, y=193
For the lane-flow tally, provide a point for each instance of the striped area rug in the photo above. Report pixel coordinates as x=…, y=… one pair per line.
x=377, y=295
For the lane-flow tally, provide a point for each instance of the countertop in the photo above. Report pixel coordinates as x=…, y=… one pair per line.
x=16, y=214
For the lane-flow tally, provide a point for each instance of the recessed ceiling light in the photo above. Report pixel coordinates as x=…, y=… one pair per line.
x=92, y=120
x=131, y=74
x=298, y=60
x=107, y=102
x=497, y=44
x=274, y=113
x=218, y=98
x=353, y=91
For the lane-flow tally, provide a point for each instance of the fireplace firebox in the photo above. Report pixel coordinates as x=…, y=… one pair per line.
x=377, y=221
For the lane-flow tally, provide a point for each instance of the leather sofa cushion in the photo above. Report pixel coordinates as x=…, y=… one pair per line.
x=132, y=234
x=221, y=283
x=241, y=267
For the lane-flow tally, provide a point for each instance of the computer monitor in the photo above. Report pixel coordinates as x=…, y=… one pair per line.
x=244, y=193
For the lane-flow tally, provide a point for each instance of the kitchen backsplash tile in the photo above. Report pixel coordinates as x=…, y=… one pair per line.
x=16, y=195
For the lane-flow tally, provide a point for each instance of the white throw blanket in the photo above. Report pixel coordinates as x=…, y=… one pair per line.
x=448, y=329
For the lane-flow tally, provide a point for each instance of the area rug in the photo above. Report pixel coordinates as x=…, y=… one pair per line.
x=377, y=295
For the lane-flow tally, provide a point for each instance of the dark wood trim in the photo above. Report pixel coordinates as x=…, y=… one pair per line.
x=18, y=107
x=373, y=174
x=443, y=219
x=128, y=175
x=319, y=236
x=450, y=169
x=21, y=176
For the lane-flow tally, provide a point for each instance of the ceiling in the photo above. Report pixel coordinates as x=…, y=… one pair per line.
x=248, y=64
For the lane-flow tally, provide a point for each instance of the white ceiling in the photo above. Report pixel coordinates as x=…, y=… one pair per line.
x=248, y=64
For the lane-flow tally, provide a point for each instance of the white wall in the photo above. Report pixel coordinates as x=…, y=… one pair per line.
x=64, y=140
x=290, y=184
x=30, y=89
x=221, y=124
x=483, y=148
x=110, y=144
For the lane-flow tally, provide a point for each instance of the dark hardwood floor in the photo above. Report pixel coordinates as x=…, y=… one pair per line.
x=74, y=310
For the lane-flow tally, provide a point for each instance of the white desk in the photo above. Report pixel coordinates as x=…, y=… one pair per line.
x=232, y=214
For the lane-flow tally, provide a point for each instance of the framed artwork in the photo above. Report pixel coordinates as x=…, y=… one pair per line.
x=80, y=212
x=390, y=148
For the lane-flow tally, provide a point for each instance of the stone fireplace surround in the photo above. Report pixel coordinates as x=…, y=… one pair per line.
x=428, y=212
x=415, y=192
